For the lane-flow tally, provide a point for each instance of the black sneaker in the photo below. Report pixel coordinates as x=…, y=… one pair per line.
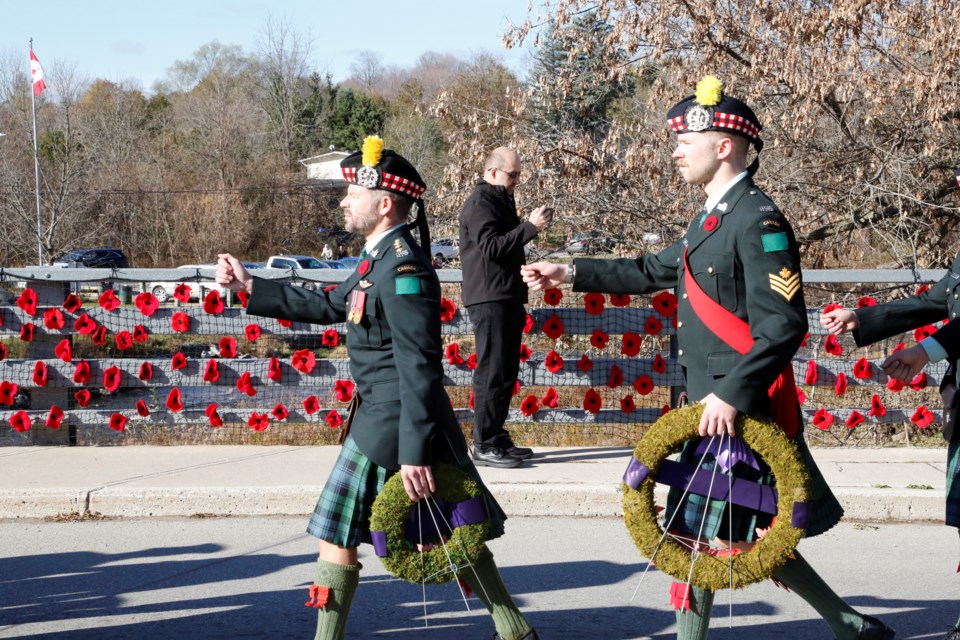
x=524, y=453
x=495, y=457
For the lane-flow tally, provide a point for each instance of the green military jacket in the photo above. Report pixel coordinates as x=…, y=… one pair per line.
x=391, y=304
x=941, y=301
x=744, y=255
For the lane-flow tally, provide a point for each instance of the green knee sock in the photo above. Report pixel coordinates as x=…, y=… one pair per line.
x=800, y=578
x=485, y=581
x=342, y=580
x=694, y=624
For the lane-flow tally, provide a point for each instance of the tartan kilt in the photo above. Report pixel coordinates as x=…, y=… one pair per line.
x=342, y=513
x=715, y=516
x=953, y=484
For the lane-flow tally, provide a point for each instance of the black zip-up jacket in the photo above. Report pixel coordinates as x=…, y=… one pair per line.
x=491, y=246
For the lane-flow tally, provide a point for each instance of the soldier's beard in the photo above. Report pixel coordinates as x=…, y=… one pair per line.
x=360, y=223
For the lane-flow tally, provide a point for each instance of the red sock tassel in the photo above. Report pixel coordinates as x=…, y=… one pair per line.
x=318, y=596
x=466, y=588
x=680, y=595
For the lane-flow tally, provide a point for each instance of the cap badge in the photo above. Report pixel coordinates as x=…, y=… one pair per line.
x=698, y=117
x=368, y=177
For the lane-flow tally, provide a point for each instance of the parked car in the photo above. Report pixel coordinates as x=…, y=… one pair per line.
x=163, y=291
x=349, y=262
x=93, y=259
x=590, y=242
x=445, y=249
x=296, y=262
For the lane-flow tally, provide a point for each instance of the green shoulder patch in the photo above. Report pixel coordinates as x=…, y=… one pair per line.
x=774, y=242
x=408, y=285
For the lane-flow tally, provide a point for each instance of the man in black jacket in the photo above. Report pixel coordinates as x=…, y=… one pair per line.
x=492, y=238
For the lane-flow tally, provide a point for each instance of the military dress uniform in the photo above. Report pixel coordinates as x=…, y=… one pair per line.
x=744, y=256
x=391, y=304
x=941, y=301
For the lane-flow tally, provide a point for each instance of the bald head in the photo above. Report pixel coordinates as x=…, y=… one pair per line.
x=502, y=167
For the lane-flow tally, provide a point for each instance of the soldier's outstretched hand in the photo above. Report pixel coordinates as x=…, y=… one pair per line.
x=543, y=275
x=232, y=274
x=839, y=321
x=906, y=364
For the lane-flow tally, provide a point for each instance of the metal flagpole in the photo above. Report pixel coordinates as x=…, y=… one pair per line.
x=36, y=165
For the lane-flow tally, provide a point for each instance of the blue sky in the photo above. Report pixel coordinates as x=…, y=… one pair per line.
x=131, y=39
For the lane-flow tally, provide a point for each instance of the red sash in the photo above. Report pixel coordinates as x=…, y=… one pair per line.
x=736, y=333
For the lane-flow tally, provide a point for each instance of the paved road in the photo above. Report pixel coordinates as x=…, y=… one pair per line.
x=247, y=578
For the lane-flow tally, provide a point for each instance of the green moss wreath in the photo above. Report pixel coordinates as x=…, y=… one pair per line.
x=665, y=437
x=466, y=544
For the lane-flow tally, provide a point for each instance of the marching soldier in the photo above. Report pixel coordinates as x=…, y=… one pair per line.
x=741, y=317
x=403, y=422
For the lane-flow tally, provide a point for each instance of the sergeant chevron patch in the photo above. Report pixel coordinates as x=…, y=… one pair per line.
x=786, y=283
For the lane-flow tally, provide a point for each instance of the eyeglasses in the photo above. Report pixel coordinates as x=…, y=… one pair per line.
x=513, y=175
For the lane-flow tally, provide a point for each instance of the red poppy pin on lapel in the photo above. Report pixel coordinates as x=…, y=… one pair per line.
x=363, y=267
x=710, y=223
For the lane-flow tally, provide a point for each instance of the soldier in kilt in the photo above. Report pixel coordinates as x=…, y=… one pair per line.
x=740, y=319
x=402, y=420
x=878, y=322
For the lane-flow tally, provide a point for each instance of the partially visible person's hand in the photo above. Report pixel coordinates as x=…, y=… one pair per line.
x=718, y=417
x=839, y=321
x=543, y=275
x=541, y=217
x=418, y=481
x=906, y=364
x=232, y=274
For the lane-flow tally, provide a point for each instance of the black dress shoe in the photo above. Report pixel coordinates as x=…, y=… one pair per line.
x=495, y=457
x=529, y=635
x=524, y=453
x=953, y=634
x=873, y=629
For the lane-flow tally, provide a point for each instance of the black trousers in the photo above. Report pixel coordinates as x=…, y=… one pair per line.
x=498, y=327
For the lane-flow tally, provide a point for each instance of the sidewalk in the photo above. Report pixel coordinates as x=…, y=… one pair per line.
x=149, y=481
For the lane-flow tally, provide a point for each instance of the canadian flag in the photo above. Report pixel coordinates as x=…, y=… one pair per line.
x=36, y=71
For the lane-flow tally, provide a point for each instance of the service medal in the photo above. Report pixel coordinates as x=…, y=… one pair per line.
x=358, y=300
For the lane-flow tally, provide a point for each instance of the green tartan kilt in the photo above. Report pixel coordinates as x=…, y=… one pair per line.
x=953, y=486
x=697, y=515
x=342, y=513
